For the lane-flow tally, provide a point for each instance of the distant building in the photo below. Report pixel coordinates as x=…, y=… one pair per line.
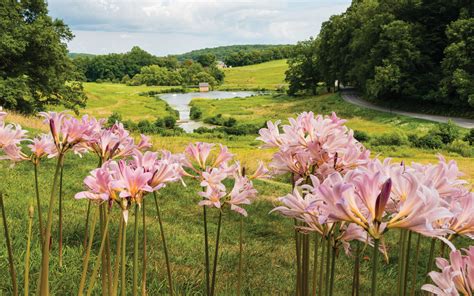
x=203, y=87
x=221, y=65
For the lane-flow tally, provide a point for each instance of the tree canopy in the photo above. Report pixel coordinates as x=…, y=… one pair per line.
x=394, y=50
x=35, y=69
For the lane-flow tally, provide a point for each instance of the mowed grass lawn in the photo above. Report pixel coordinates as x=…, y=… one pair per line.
x=105, y=98
x=269, y=75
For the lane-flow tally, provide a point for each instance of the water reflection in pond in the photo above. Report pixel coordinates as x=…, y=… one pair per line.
x=181, y=102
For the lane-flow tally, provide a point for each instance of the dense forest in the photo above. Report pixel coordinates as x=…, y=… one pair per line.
x=241, y=55
x=140, y=67
x=419, y=50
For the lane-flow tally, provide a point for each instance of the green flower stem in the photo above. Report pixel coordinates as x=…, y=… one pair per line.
x=373, y=291
x=135, y=254
x=315, y=266
x=117, y=257
x=401, y=261
x=165, y=248
x=306, y=250
x=123, y=261
x=429, y=267
x=103, y=270
x=333, y=270
x=355, y=280
x=60, y=248
x=328, y=266
x=407, y=264
x=27, y=256
x=11, y=264
x=216, y=254
x=298, y=259
x=85, y=263
x=44, y=274
x=86, y=226
x=144, y=249
x=206, y=252
x=38, y=203
x=99, y=258
x=415, y=270
x=323, y=253
x=108, y=257
x=239, y=278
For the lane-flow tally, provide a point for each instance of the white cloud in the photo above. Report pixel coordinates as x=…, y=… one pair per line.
x=158, y=23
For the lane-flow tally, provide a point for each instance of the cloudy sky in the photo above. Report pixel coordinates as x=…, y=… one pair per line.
x=176, y=26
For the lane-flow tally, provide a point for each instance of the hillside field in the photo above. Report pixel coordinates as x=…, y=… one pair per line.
x=269, y=76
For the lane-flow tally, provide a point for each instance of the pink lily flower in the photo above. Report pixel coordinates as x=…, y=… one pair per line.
x=242, y=194
x=214, y=179
x=99, y=184
x=212, y=197
x=199, y=153
x=41, y=146
x=456, y=276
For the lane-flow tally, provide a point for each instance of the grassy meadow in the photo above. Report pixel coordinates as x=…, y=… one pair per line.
x=268, y=243
x=269, y=76
x=105, y=98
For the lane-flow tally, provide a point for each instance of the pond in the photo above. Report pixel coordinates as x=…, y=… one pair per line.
x=180, y=102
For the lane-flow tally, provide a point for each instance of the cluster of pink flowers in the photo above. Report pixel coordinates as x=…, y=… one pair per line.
x=11, y=136
x=126, y=182
x=210, y=167
x=69, y=133
x=340, y=183
x=456, y=276
x=313, y=145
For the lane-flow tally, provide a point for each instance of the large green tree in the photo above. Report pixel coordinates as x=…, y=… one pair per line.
x=415, y=51
x=34, y=67
x=303, y=71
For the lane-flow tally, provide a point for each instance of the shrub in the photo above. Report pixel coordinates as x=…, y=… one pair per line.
x=215, y=120
x=230, y=122
x=470, y=137
x=448, y=132
x=430, y=141
x=195, y=113
x=203, y=130
x=113, y=118
x=159, y=123
x=361, y=136
x=130, y=125
x=461, y=147
x=144, y=126
x=170, y=122
x=396, y=139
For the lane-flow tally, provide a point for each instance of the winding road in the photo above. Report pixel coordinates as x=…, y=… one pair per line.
x=352, y=97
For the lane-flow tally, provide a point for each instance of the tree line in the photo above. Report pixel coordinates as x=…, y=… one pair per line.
x=392, y=50
x=241, y=55
x=138, y=67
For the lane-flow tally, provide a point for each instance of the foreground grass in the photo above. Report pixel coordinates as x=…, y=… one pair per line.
x=268, y=257
x=269, y=75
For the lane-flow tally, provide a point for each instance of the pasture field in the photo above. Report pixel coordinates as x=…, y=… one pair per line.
x=269, y=76
x=105, y=98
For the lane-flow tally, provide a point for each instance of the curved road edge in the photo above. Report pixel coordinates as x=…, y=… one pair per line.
x=352, y=97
